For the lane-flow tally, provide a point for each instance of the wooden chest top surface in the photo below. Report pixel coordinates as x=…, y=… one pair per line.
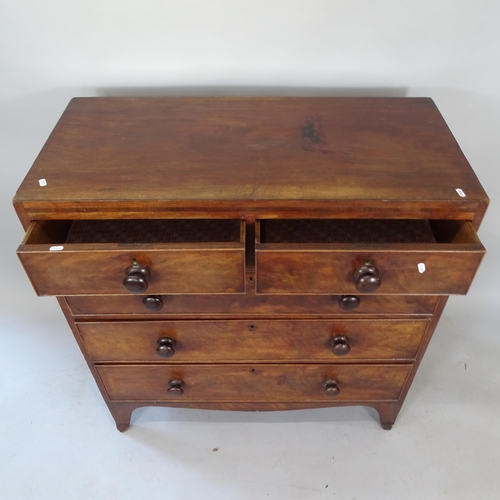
x=237, y=150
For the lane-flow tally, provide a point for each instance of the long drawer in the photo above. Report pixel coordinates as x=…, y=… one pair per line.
x=249, y=341
x=248, y=305
x=246, y=383
x=91, y=258
x=441, y=261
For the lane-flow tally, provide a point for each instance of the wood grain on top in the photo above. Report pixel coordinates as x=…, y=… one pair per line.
x=248, y=149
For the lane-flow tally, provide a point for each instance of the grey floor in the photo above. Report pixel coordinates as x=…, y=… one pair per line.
x=58, y=441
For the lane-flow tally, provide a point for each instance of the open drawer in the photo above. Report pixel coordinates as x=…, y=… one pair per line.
x=112, y=257
x=352, y=256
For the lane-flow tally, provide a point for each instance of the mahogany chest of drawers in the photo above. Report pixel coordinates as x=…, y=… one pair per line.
x=251, y=253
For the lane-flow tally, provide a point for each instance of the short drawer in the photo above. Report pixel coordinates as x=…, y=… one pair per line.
x=247, y=383
x=252, y=341
x=369, y=256
x=248, y=305
x=160, y=257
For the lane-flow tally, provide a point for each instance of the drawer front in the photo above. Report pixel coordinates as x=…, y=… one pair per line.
x=435, y=272
x=249, y=341
x=157, y=268
x=97, y=272
x=242, y=383
x=248, y=305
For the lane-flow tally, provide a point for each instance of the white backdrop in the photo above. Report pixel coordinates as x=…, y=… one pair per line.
x=53, y=50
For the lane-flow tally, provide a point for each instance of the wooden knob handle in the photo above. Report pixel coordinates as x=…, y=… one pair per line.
x=136, y=278
x=340, y=345
x=175, y=388
x=331, y=388
x=349, y=302
x=367, y=279
x=165, y=347
x=152, y=303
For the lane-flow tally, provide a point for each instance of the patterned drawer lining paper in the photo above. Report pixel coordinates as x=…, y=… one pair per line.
x=154, y=231
x=346, y=231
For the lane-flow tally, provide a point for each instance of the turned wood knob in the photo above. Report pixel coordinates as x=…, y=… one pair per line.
x=175, y=388
x=331, y=388
x=340, y=345
x=165, y=347
x=152, y=303
x=136, y=278
x=349, y=302
x=366, y=278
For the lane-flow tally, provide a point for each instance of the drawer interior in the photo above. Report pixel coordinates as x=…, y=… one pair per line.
x=364, y=231
x=132, y=231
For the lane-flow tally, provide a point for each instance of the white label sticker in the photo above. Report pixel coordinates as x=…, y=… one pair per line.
x=55, y=248
x=421, y=268
x=42, y=182
x=460, y=192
